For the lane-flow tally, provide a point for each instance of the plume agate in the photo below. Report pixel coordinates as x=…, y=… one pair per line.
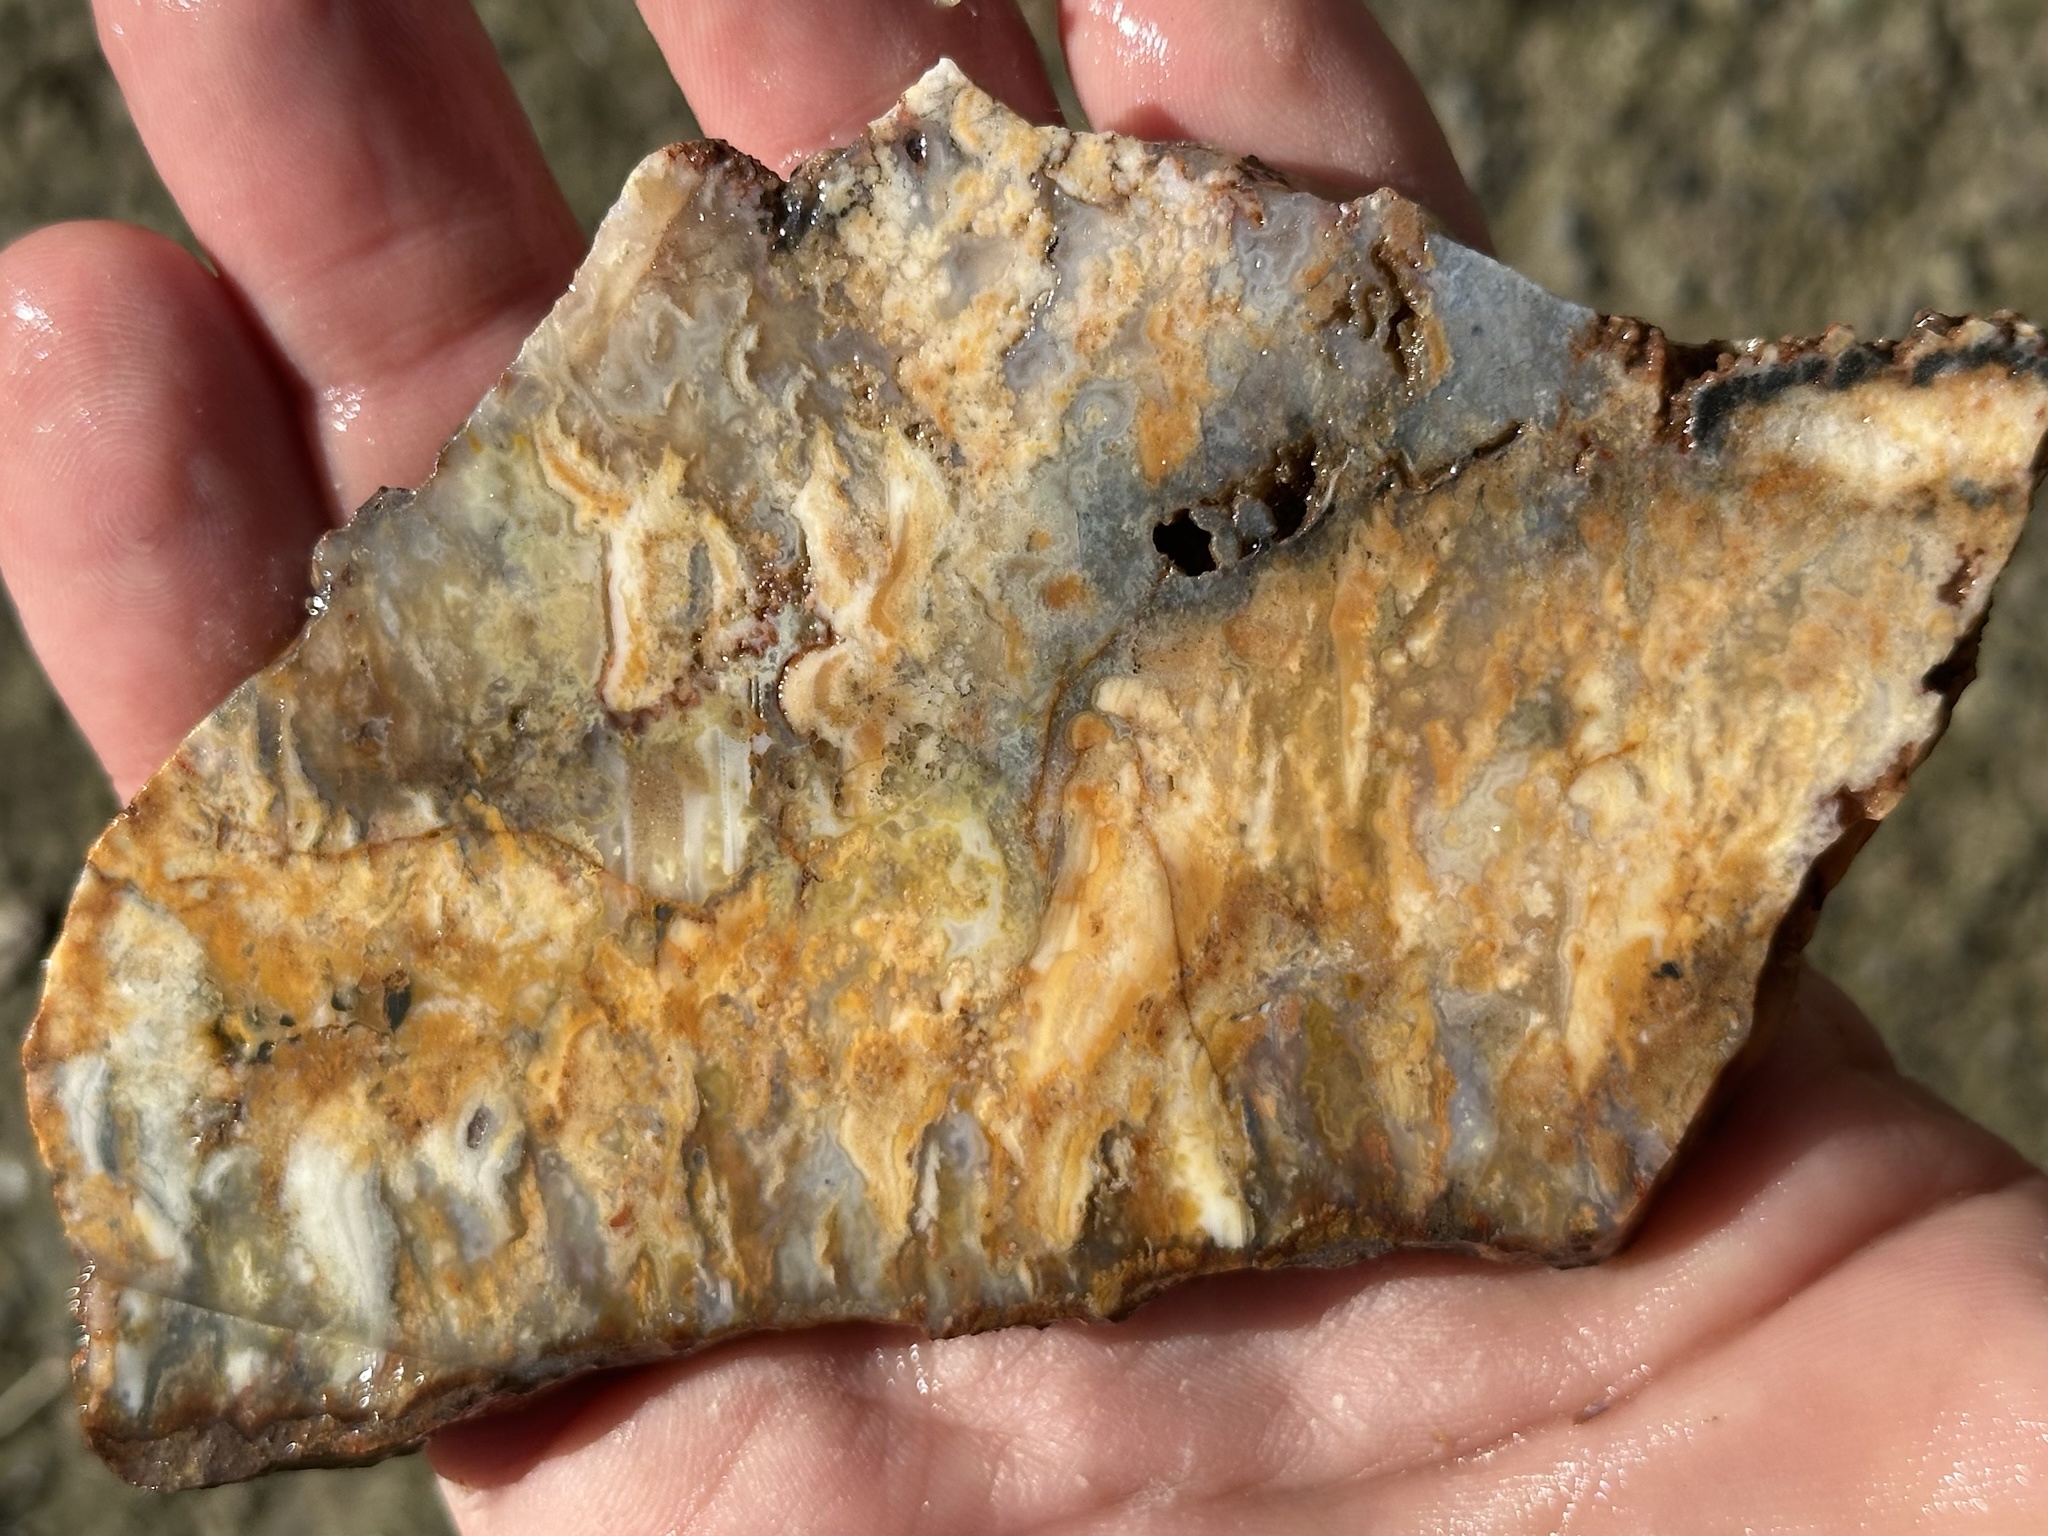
x=1016, y=719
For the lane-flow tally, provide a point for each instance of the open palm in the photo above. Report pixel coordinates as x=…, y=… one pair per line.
x=1837, y=1318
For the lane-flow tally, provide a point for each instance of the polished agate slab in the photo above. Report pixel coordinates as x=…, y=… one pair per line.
x=1020, y=718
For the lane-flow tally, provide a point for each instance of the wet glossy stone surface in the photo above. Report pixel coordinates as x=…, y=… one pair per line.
x=1018, y=719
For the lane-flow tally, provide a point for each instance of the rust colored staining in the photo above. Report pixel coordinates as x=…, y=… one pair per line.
x=1169, y=424
x=1064, y=592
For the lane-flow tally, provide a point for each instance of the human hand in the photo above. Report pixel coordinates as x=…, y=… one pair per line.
x=1836, y=1317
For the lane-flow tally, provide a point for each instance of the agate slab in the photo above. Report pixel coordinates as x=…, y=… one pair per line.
x=1019, y=718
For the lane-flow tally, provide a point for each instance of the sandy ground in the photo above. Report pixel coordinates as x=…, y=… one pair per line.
x=1724, y=167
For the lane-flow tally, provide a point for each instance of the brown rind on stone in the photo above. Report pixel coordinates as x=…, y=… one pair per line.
x=1015, y=720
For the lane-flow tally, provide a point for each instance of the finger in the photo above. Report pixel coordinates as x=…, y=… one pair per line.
x=783, y=79
x=1312, y=87
x=156, y=500
x=364, y=176
x=1281, y=1383
x=1840, y=1029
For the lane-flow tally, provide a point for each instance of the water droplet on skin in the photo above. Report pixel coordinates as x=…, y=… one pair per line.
x=1143, y=36
x=339, y=408
x=32, y=322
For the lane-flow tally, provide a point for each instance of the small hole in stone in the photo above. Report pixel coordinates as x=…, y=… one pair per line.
x=1294, y=482
x=1185, y=543
x=1251, y=514
x=478, y=1128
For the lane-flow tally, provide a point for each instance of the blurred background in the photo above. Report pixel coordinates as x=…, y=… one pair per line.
x=1722, y=167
